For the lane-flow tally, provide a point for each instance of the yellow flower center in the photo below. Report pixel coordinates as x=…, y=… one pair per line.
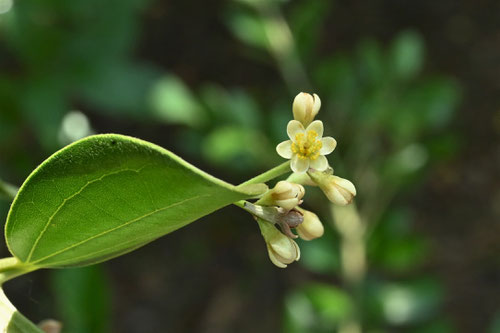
x=307, y=146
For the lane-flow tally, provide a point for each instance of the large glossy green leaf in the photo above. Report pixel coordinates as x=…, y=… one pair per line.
x=107, y=195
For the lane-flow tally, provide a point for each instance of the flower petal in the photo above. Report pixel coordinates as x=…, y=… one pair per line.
x=316, y=126
x=283, y=249
x=288, y=204
x=299, y=165
x=273, y=258
x=320, y=164
x=335, y=196
x=311, y=227
x=316, y=105
x=284, y=149
x=346, y=185
x=293, y=128
x=299, y=107
x=338, y=190
x=298, y=250
x=328, y=145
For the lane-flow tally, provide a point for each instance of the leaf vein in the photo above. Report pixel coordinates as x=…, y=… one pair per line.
x=89, y=255
x=63, y=203
x=118, y=227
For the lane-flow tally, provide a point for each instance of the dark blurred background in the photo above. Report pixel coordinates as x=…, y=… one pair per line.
x=410, y=90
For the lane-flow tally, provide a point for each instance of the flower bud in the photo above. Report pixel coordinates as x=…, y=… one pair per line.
x=338, y=190
x=311, y=227
x=281, y=249
x=306, y=107
x=285, y=194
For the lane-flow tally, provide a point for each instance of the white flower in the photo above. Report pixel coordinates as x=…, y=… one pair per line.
x=306, y=147
x=306, y=107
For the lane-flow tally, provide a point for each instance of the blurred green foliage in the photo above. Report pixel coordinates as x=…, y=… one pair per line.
x=316, y=308
x=64, y=51
x=388, y=112
x=322, y=255
x=83, y=299
x=495, y=325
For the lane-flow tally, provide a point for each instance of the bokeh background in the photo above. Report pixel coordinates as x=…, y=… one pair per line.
x=410, y=90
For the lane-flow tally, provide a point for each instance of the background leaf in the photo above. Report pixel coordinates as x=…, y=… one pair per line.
x=83, y=299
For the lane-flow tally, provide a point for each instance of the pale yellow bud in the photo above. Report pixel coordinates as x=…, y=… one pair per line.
x=288, y=195
x=306, y=107
x=281, y=249
x=311, y=227
x=285, y=194
x=338, y=190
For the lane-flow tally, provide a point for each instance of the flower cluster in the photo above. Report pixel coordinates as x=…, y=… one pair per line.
x=280, y=206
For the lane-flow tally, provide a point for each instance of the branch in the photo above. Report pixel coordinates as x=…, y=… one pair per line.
x=270, y=174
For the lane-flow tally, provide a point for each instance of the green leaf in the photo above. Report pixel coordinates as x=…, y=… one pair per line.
x=107, y=195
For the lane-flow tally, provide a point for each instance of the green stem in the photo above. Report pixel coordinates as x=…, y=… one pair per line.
x=8, y=191
x=270, y=214
x=12, y=267
x=240, y=203
x=269, y=174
